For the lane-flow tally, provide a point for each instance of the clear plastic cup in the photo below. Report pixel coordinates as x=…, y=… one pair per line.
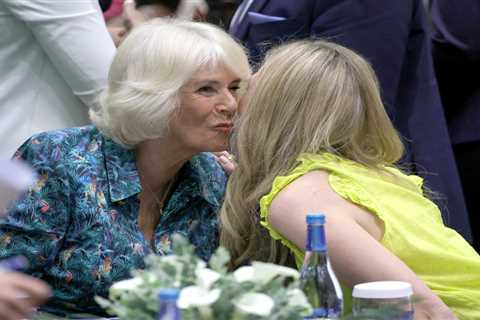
x=383, y=300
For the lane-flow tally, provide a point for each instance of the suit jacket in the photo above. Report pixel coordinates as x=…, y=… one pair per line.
x=456, y=53
x=391, y=35
x=54, y=59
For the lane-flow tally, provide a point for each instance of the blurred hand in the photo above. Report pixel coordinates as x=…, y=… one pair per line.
x=226, y=160
x=20, y=295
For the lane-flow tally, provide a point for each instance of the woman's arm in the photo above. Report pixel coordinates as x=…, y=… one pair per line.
x=353, y=238
x=35, y=226
x=73, y=35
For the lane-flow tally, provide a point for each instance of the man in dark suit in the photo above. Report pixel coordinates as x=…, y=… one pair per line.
x=391, y=35
x=456, y=53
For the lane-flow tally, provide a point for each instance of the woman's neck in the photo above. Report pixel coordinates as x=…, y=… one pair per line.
x=158, y=163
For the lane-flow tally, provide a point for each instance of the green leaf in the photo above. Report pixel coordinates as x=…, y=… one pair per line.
x=181, y=246
x=218, y=261
x=102, y=302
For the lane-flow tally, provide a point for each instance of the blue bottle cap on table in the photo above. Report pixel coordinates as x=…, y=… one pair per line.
x=168, y=294
x=315, y=218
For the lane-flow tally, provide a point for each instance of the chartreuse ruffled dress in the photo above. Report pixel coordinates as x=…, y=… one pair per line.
x=414, y=230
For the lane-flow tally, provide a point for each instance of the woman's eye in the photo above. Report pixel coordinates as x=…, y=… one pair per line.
x=206, y=90
x=234, y=89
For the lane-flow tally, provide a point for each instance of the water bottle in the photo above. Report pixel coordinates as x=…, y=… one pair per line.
x=168, y=304
x=317, y=279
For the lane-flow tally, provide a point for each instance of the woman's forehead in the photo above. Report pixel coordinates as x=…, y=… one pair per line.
x=214, y=72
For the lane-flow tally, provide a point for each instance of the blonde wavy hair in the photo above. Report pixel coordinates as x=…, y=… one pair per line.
x=313, y=97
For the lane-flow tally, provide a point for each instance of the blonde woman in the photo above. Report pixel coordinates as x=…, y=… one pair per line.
x=327, y=145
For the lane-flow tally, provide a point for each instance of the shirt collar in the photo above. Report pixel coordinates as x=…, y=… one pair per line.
x=122, y=173
x=124, y=180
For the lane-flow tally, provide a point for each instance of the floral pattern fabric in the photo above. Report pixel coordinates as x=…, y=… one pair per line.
x=78, y=225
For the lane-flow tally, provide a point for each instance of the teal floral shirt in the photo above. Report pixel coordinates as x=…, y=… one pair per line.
x=78, y=225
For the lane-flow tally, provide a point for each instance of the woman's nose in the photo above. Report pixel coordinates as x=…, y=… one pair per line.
x=229, y=103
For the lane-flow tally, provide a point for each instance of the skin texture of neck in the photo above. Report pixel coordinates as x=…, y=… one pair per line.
x=158, y=163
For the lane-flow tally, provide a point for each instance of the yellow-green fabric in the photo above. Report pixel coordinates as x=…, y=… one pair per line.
x=414, y=230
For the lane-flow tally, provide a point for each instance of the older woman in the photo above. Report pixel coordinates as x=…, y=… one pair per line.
x=110, y=193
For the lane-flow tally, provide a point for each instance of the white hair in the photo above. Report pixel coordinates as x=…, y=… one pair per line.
x=150, y=67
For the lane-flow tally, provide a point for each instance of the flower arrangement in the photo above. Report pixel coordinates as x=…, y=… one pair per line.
x=211, y=292
x=258, y=291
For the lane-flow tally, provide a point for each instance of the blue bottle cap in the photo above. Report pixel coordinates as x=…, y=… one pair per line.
x=315, y=218
x=168, y=294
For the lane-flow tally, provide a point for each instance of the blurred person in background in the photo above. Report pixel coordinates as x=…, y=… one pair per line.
x=456, y=53
x=54, y=60
x=391, y=35
x=137, y=12
x=111, y=193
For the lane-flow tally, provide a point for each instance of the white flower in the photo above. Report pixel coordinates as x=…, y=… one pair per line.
x=201, y=265
x=268, y=271
x=206, y=277
x=193, y=296
x=244, y=273
x=255, y=303
x=125, y=285
x=263, y=272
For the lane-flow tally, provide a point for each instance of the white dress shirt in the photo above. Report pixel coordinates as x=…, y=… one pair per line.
x=54, y=59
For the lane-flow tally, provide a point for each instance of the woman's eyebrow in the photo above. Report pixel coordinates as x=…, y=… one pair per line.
x=204, y=81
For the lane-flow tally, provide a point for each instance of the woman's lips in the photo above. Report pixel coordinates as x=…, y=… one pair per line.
x=223, y=127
